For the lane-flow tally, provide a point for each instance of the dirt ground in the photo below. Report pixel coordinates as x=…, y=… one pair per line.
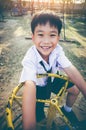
x=14, y=42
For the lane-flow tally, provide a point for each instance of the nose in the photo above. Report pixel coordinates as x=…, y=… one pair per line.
x=46, y=40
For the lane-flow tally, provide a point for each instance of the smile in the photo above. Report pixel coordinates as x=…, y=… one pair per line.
x=45, y=47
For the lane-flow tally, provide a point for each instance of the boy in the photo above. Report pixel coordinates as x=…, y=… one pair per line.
x=47, y=56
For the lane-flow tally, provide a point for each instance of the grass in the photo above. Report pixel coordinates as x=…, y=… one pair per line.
x=75, y=49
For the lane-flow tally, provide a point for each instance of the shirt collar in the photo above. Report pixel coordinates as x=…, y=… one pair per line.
x=38, y=55
x=52, y=57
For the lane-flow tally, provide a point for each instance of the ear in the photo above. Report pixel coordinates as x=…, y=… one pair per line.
x=32, y=37
x=58, y=37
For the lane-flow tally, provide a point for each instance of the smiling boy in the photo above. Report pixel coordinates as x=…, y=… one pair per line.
x=47, y=56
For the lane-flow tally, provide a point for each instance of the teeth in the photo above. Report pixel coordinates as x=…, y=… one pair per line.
x=45, y=47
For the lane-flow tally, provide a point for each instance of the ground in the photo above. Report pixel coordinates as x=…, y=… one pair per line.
x=14, y=41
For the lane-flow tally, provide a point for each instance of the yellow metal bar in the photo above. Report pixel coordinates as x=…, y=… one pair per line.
x=52, y=75
x=18, y=102
x=17, y=97
x=43, y=101
x=51, y=115
x=9, y=118
x=16, y=89
x=64, y=117
x=62, y=93
x=53, y=102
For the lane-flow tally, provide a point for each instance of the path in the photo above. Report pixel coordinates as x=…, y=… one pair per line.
x=13, y=46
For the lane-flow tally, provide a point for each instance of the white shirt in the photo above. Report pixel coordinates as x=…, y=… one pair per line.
x=31, y=64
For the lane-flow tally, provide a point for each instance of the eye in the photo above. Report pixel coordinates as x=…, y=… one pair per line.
x=40, y=34
x=52, y=35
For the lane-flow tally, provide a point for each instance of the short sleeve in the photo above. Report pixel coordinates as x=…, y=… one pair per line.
x=62, y=60
x=29, y=68
x=28, y=74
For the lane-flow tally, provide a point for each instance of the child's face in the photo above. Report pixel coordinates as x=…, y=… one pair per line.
x=45, y=38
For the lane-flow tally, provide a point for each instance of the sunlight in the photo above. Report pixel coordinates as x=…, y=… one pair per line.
x=55, y=1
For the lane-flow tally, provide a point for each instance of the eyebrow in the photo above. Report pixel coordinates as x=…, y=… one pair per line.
x=39, y=31
x=43, y=31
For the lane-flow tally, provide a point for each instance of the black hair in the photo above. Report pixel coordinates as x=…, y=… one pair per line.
x=42, y=17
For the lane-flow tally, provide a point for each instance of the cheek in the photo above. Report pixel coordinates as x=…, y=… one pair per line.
x=56, y=40
x=39, y=41
x=36, y=42
x=34, y=39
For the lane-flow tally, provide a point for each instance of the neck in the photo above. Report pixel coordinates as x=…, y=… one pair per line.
x=46, y=59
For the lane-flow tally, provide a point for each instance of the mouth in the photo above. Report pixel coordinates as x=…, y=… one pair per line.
x=45, y=47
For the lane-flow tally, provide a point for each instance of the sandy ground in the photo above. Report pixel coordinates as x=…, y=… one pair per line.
x=13, y=45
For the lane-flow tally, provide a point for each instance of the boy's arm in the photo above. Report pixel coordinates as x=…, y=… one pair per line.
x=76, y=78
x=28, y=106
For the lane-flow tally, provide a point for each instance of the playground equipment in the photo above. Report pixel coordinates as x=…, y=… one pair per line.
x=52, y=106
